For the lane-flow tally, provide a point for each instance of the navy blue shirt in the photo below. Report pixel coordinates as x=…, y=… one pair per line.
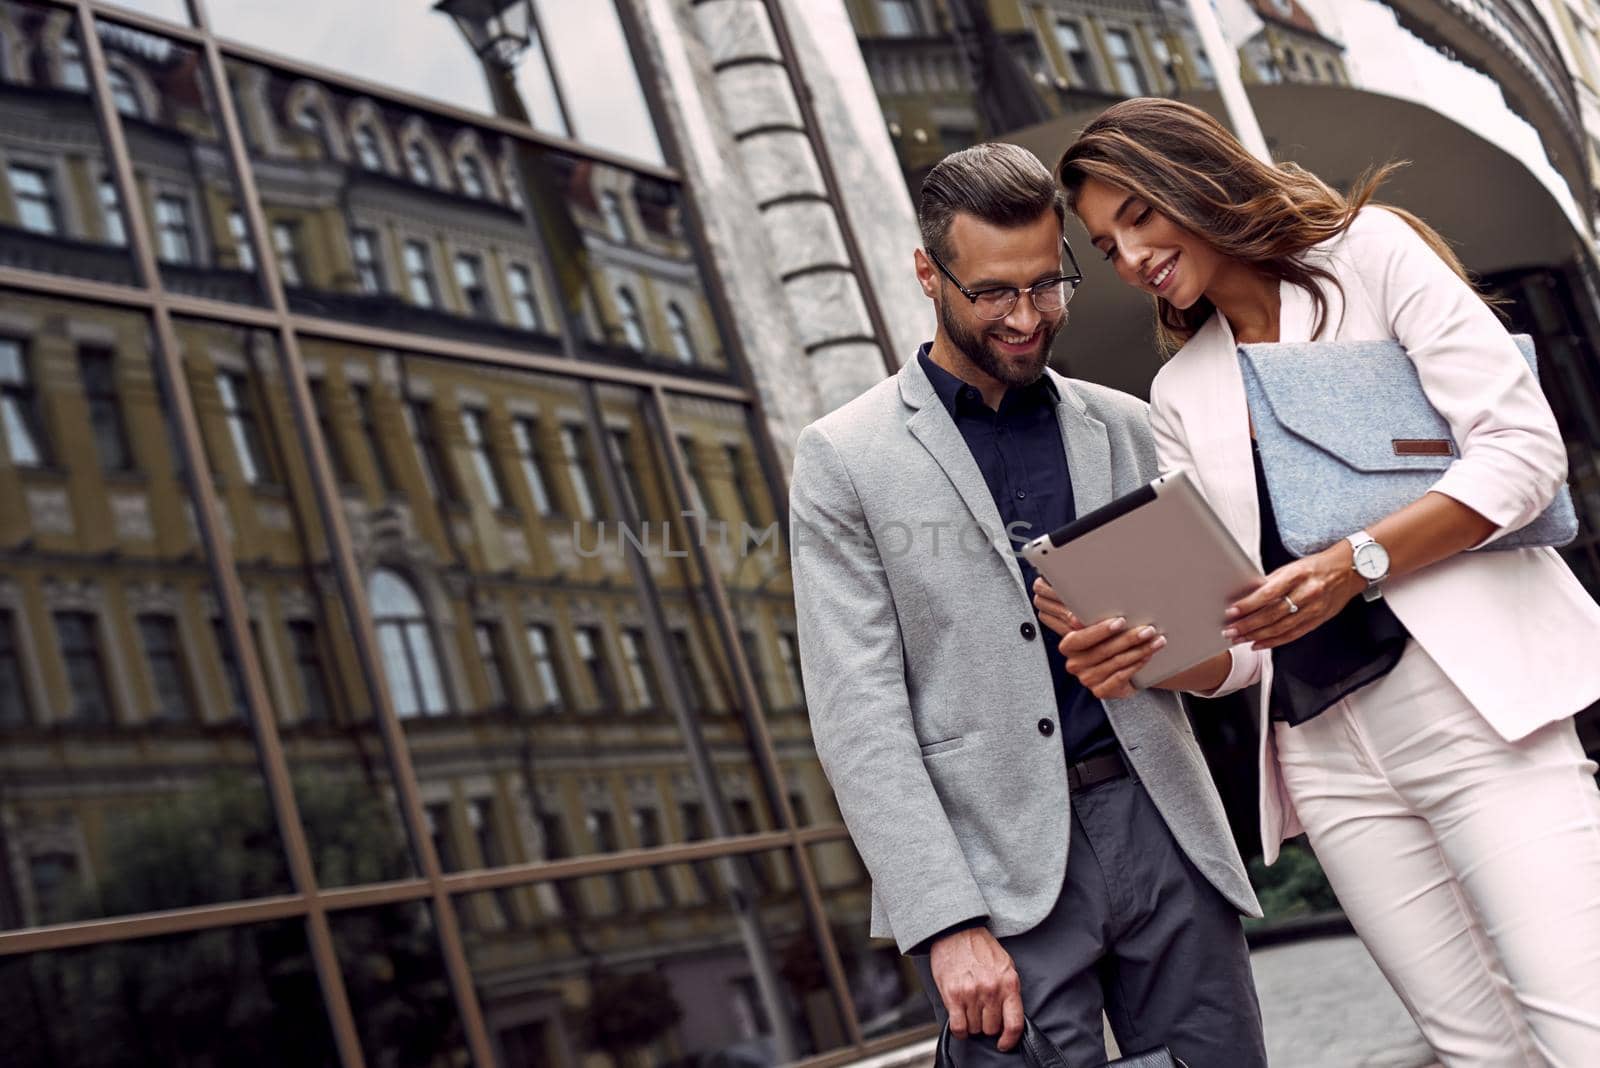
x=1023, y=460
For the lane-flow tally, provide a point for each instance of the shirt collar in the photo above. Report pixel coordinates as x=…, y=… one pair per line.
x=957, y=396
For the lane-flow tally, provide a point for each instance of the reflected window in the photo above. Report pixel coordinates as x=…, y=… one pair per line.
x=632, y=322
x=546, y=671
x=789, y=657
x=78, y=635
x=745, y=822
x=14, y=710
x=123, y=93
x=611, y=212
x=410, y=660
x=174, y=233
x=641, y=669
x=519, y=281
x=362, y=395
x=368, y=151
x=111, y=214
x=694, y=830
x=475, y=424
x=474, y=289
x=310, y=120
x=492, y=655
x=364, y=254
x=35, y=198
x=310, y=671
x=419, y=275
x=330, y=433
x=574, y=450
x=1069, y=36
x=603, y=831
x=1290, y=64
x=437, y=817
x=244, y=431
x=699, y=499
x=470, y=174
x=735, y=457
x=683, y=645
x=647, y=829
x=425, y=432
x=74, y=75
x=525, y=433
x=591, y=655
x=19, y=408
x=238, y=702
x=750, y=643
x=243, y=249
x=169, y=682
x=54, y=879
x=286, y=243
x=418, y=164
x=97, y=372
x=620, y=444
x=899, y=18
x=678, y=327
x=1125, y=64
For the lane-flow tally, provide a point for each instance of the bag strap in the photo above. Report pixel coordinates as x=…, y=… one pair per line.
x=1036, y=1048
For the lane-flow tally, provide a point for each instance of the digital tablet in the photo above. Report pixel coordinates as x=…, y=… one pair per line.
x=1157, y=556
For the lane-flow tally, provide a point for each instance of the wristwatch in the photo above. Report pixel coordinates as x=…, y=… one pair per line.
x=1370, y=561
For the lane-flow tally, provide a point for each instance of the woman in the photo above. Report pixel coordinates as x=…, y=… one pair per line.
x=1423, y=740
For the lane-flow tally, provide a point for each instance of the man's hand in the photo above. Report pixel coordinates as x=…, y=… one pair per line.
x=979, y=986
x=1104, y=656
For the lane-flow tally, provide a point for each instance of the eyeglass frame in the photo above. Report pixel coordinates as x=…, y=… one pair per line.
x=1074, y=280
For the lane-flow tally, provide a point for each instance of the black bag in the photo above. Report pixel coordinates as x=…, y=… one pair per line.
x=1039, y=1052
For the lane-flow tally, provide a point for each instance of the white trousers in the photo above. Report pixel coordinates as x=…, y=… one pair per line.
x=1469, y=865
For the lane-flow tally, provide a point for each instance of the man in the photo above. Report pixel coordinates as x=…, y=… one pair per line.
x=964, y=757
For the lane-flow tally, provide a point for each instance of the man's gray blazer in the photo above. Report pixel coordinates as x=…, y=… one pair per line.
x=926, y=694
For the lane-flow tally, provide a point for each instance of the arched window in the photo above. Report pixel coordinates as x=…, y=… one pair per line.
x=73, y=74
x=310, y=120
x=471, y=176
x=418, y=164
x=367, y=149
x=682, y=340
x=632, y=323
x=410, y=660
x=611, y=211
x=124, y=94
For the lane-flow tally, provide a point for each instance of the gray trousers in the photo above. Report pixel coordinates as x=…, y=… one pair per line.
x=1139, y=934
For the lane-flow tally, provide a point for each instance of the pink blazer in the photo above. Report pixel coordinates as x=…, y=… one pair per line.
x=1514, y=630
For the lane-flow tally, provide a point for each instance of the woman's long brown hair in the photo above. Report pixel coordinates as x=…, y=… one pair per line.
x=1189, y=167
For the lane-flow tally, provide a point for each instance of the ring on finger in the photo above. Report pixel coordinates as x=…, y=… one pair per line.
x=1289, y=602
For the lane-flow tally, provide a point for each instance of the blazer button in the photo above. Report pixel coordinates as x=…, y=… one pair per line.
x=1047, y=727
x=1029, y=632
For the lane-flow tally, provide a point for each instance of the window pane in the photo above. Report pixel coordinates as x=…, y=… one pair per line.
x=58, y=210
x=244, y=996
x=399, y=993
x=304, y=638
x=169, y=111
x=708, y=977
x=129, y=783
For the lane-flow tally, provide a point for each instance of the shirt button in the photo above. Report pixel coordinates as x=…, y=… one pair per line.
x=1047, y=727
x=1021, y=494
x=1029, y=631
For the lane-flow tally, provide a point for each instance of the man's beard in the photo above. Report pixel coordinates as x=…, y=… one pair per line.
x=975, y=347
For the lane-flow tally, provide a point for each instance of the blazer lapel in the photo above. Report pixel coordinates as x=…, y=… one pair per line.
x=1088, y=451
x=1227, y=469
x=932, y=426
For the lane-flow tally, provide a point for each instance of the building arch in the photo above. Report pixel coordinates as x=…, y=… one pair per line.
x=308, y=109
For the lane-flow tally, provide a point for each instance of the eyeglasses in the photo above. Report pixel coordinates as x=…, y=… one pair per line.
x=1048, y=296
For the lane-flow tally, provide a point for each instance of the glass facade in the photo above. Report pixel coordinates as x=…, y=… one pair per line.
x=397, y=652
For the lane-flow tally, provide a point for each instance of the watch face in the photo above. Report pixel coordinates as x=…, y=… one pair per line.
x=1372, y=561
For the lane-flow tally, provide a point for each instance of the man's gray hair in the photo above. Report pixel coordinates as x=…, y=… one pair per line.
x=1003, y=185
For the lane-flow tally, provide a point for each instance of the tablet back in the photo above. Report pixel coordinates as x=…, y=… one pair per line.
x=1157, y=556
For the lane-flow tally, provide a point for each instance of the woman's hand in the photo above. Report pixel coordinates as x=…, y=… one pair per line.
x=1317, y=586
x=1104, y=656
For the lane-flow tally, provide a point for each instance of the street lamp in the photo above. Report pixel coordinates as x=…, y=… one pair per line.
x=498, y=30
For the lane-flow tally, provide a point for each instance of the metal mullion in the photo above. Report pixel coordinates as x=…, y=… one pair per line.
x=524, y=132
x=56, y=285
x=883, y=1044
x=341, y=549
x=150, y=924
x=150, y=23
x=625, y=860
x=568, y=365
x=761, y=738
